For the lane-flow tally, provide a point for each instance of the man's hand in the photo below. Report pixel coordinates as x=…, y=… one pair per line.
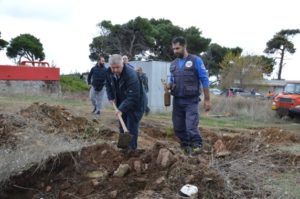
x=167, y=86
x=207, y=105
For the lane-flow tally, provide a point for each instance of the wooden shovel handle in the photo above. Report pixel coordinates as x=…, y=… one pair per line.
x=121, y=119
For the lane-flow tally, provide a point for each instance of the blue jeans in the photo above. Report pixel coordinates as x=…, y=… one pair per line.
x=96, y=98
x=185, y=118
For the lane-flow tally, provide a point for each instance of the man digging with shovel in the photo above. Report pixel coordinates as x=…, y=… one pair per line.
x=126, y=95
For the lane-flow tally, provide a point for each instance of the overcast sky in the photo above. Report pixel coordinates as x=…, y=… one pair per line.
x=66, y=27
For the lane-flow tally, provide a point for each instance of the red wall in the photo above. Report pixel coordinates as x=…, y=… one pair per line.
x=28, y=73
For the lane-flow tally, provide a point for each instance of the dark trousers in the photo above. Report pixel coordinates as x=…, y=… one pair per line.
x=132, y=122
x=185, y=118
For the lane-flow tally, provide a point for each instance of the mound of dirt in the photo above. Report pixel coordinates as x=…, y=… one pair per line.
x=9, y=125
x=56, y=118
x=157, y=131
x=277, y=136
x=92, y=173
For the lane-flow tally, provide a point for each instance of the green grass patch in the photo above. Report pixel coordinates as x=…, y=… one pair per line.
x=73, y=83
x=28, y=99
x=230, y=123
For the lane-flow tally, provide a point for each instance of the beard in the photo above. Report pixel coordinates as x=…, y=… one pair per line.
x=179, y=55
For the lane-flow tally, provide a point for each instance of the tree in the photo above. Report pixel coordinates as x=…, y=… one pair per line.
x=163, y=34
x=241, y=70
x=25, y=46
x=166, y=31
x=281, y=43
x=268, y=64
x=3, y=43
x=131, y=38
x=214, y=56
x=142, y=36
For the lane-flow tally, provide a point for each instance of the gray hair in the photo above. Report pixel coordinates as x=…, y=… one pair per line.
x=115, y=59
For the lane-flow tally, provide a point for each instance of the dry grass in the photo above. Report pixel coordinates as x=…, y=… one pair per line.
x=243, y=108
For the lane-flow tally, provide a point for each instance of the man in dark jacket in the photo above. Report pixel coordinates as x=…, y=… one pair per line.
x=96, y=78
x=123, y=88
x=144, y=79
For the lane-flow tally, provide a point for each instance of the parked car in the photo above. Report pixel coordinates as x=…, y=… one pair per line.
x=215, y=91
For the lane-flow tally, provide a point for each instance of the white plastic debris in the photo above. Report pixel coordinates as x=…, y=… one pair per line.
x=189, y=190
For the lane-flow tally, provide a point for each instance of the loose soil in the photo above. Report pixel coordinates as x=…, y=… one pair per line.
x=231, y=165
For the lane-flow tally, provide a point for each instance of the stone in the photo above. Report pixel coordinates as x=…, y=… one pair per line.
x=189, y=179
x=97, y=174
x=104, y=152
x=164, y=158
x=95, y=182
x=48, y=188
x=122, y=170
x=65, y=185
x=137, y=165
x=113, y=194
x=160, y=180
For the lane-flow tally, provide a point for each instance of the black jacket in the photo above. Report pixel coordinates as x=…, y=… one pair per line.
x=97, y=77
x=144, y=80
x=126, y=90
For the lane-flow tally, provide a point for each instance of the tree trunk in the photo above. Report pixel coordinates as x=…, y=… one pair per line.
x=131, y=45
x=281, y=64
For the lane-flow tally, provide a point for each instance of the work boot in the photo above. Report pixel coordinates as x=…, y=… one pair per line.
x=197, y=149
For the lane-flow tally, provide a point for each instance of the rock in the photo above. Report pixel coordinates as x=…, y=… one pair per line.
x=189, y=179
x=113, y=194
x=95, y=182
x=202, y=160
x=137, y=165
x=146, y=167
x=164, y=158
x=85, y=189
x=48, y=188
x=207, y=179
x=104, y=152
x=42, y=185
x=160, y=180
x=65, y=185
x=220, y=149
x=122, y=170
x=97, y=174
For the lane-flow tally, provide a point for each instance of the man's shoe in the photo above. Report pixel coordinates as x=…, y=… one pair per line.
x=197, y=149
x=187, y=150
x=98, y=113
x=94, y=110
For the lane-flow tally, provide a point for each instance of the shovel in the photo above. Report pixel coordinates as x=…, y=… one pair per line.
x=124, y=138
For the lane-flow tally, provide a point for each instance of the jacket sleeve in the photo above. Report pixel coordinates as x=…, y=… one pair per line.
x=90, y=76
x=109, y=89
x=202, y=73
x=133, y=94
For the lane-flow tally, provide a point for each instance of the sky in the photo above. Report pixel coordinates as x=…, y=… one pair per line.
x=67, y=27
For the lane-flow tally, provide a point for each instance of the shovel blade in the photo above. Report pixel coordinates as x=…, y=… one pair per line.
x=124, y=140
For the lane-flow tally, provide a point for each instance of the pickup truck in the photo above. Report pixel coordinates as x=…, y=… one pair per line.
x=287, y=103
